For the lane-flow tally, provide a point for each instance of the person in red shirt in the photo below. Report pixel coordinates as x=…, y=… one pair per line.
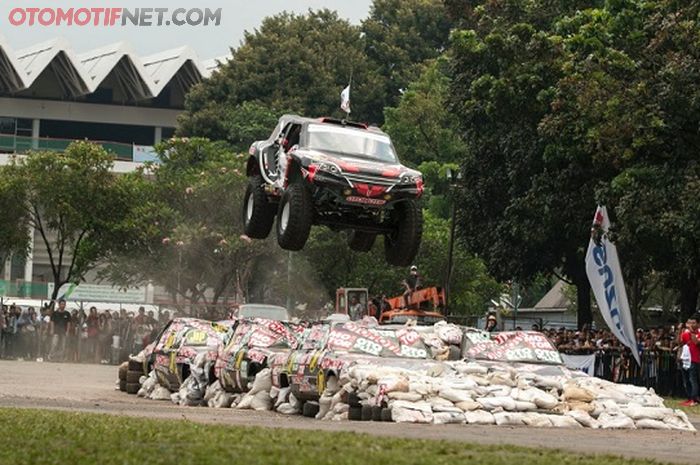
x=690, y=337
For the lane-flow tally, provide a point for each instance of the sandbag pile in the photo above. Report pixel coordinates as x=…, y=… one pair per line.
x=441, y=389
x=495, y=393
x=461, y=392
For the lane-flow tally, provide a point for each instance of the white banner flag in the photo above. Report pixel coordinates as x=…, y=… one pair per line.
x=584, y=363
x=604, y=273
x=345, y=100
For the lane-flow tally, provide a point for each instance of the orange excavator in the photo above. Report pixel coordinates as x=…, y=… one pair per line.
x=425, y=306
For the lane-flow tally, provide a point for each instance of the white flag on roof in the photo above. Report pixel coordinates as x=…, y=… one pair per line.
x=345, y=100
x=604, y=273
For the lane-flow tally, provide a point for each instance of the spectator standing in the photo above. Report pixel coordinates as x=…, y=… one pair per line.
x=411, y=284
x=26, y=333
x=140, y=331
x=491, y=324
x=3, y=325
x=59, y=331
x=93, y=331
x=10, y=332
x=77, y=335
x=690, y=358
x=104, y=337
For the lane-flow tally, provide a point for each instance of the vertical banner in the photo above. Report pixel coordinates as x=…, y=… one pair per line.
x=605, y=275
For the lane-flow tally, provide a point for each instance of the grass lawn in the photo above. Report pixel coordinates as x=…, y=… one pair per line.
x=48, y=437
x=675, y=403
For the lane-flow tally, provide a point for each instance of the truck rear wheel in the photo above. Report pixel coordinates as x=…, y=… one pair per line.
x=401, y=246
x=258, y=212
x=294, y=218
x=360, y=241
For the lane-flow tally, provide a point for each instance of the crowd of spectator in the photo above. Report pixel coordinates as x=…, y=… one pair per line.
x=660, y=338
x=75, y=335
x=669, y=355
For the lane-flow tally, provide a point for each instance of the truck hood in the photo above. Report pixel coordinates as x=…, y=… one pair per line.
x=354, y=165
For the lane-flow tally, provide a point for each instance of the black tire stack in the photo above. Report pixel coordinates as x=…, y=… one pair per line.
x=359, y=412
x=133, y=376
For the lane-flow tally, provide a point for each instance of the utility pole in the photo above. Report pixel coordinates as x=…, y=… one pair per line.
x=289, y=281
x=452, y=179
x=515, y=299
x=450, y=256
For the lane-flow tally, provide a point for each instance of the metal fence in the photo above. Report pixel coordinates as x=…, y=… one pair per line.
x=21, y=144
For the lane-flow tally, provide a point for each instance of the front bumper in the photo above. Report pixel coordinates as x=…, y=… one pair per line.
x=360, y=191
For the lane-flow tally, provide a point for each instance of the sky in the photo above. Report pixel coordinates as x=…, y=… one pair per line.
x=210, y=41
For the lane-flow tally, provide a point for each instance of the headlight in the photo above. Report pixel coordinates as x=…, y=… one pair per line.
x=328, y=167
x=409, y=179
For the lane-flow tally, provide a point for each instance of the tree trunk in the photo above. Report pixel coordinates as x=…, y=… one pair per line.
x=583, y=303
x=575, y=268
x=690, y=288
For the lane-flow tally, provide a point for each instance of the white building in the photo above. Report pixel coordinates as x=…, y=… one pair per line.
x=51, y=96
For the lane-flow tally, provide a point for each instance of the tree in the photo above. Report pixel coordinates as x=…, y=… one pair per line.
x=525, y=210
x=187, y=230
x=421, y=127
x=292, y=63
x=400, y=35
x=562, y=106
x=630, y=104
x=72, y=199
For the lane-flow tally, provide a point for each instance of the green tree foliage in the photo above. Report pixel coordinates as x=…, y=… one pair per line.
x=421, y=126
x=567, y=103
x=73, y=201
x=400, y=35
x=520, y=215
x=295, y=63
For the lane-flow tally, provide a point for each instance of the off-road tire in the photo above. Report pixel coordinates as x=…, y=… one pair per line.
x=361, y=241
x=259, y=214
x=366, y=413
x=135, y=365
x=386, y=414
x=294, y=217
x=376, y=413
x=133, y=376
x=132, y=388
x=355, y=413
x=401, y=246
x=122, y=385
x=353, y=400
x=310, y=409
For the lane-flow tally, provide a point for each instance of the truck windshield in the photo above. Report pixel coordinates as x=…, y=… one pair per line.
x=351, y=142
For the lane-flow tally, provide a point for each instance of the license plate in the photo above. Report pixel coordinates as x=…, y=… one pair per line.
x=365, y=200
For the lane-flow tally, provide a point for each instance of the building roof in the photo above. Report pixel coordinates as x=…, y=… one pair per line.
x=554, y=301
x=554, y=298
x=140, y=77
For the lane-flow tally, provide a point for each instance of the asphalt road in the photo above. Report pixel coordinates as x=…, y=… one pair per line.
x=91, y=388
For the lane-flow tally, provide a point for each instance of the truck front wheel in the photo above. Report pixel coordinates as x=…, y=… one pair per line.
x=294, y=217
x=402, y=244
x=258, y=212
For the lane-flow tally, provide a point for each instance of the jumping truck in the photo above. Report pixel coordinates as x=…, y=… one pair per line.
x=341, y=174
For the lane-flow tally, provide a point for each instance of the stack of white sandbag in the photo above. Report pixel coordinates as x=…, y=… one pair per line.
x=501, y=394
